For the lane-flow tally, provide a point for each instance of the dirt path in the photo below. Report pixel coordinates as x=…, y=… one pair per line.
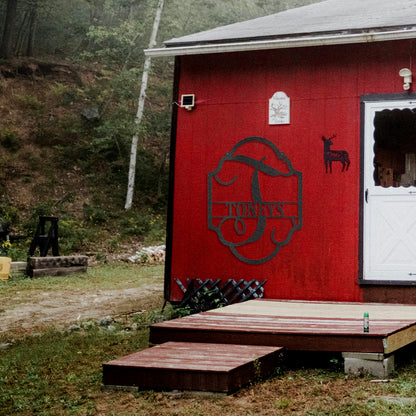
x=30, y=312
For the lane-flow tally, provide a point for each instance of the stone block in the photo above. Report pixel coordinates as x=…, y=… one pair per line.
x=18, y=266
x=375, y=364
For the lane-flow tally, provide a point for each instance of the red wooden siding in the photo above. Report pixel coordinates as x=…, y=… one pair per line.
x=321, y=261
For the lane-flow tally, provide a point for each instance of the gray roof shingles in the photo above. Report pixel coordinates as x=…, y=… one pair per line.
x=330, y=16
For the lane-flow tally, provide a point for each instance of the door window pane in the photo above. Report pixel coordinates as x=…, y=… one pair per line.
x=395, y=148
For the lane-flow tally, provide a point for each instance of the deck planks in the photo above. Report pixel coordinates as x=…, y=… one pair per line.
x=317, y=309
x=192, y=366
x=297, y=325
x=217, y=350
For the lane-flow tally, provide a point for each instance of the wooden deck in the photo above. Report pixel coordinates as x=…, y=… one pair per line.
x=217, y=350
x=187, y=366
x=297, y=325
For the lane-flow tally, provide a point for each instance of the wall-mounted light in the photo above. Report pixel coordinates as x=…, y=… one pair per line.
x=407, y=77
x=188, y=101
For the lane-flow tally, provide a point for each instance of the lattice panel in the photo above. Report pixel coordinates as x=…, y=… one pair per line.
x=209, y=294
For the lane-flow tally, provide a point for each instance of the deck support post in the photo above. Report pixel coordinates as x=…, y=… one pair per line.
x=376, y=364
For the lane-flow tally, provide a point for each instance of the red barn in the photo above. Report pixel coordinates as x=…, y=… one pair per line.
x=294, y=153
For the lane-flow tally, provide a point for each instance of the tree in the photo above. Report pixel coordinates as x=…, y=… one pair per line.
x=6, y=48
x=33, y=14
x=25, y=34
x=140, y=108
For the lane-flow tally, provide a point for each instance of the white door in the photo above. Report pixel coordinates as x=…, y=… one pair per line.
x=389, y=191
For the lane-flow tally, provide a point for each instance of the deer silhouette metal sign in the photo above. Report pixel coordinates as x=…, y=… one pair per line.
x=254, y=200
x=334, y=155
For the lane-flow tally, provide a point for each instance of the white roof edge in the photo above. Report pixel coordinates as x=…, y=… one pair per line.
x=298, y=42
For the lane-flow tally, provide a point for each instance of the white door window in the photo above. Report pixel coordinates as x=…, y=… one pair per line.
x=390, y=191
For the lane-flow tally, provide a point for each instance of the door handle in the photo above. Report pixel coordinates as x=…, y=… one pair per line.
x=366, y=196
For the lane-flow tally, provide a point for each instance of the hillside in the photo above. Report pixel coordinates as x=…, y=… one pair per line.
x=32, y=125
x=63, y=154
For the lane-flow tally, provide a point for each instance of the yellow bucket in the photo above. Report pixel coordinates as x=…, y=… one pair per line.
x=5, y=263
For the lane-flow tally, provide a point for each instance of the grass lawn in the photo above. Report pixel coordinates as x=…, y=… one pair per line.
x=58, y=372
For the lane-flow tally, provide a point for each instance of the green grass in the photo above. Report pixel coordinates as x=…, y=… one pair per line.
x=106, y=277
x=59, y=372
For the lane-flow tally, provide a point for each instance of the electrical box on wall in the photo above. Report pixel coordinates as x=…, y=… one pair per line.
x=188, y=101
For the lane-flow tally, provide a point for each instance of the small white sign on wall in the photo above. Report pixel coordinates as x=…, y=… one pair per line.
x=279, y=108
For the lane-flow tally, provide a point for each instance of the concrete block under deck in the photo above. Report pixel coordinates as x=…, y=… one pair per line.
x=374, y=364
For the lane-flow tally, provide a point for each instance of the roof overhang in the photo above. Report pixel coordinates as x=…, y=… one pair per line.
x=285, y=43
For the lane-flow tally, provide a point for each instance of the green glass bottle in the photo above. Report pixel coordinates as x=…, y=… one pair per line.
x=366, y=322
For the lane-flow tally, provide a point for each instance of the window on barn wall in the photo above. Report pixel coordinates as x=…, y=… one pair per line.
x=395, y=148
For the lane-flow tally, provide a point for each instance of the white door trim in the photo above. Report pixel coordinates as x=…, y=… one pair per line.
x=378, y=204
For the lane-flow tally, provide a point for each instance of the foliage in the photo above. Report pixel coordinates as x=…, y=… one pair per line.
x=179, y=311
x=42, y=209
x=73, y=236
x=17, y=250
x=89, y=56
x=113, y=45
x=9, y=214
x=71, y=28
x=205, y=300
x=5, y=247
x=30, y=103
x=144, y=223
x=9, y=139
x=95, y=215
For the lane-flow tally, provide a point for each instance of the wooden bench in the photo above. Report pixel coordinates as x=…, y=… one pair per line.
x=56, y=265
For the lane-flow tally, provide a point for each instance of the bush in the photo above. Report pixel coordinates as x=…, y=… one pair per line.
x=30, y=103
x=95, y=215
x=73, y=236
x=9, y=140
x=157, y=230
x=18, y=250
x=42, y=209
x=144, y=223
x=10, y=215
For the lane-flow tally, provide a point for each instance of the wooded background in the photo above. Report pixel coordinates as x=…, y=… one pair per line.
x=70, y=79
x=81, y=27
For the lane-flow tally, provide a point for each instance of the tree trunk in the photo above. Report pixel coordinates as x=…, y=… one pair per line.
x=32, y=29
x=139, y=114
x=161, y=170
x=6, y=48
x=22, y=34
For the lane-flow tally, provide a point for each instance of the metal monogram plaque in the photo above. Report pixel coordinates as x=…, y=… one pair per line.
x=254, y=200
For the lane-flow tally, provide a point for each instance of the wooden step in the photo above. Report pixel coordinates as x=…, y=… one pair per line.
x=192, y=366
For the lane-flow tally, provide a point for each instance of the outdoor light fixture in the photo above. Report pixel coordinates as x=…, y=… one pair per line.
x=188, y=101
x=407, y=77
